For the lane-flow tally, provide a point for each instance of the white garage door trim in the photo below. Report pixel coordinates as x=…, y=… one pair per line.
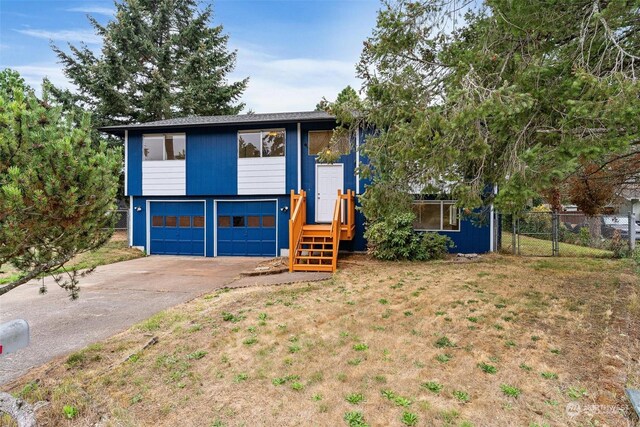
x=215, y=219
x=148, y=207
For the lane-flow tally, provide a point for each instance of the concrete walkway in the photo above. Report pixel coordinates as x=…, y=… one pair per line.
x=112, y=299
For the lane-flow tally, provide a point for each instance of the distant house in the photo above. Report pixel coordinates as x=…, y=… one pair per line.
x=222, y=186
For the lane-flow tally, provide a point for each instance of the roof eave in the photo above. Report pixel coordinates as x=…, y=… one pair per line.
x=120, y=129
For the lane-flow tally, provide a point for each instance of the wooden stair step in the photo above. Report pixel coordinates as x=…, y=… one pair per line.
x=312, y=267
x=313, y=257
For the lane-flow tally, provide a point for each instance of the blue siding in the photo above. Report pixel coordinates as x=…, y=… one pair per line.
x=309, y=184
x=212, y=162
x=134, y=165
x=471, y=238
x=212, y=175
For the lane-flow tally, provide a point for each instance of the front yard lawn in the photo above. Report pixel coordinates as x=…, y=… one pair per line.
x=503, y=341
x=115, y=250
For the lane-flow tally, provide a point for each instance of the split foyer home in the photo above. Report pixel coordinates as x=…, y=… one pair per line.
x=250, y=185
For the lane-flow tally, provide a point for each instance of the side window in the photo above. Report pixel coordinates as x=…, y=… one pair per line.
x=436, y=215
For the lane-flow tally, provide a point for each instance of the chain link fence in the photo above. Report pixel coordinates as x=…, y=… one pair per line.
x=539, y=233
x=122, y=221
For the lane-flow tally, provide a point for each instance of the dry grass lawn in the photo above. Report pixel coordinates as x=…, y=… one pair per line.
x=504, y=341
x=115, y=250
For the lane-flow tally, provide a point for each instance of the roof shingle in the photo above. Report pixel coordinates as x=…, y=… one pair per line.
x=199, y=121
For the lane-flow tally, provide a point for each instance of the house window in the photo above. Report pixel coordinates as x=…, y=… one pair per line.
x=320, y=140
x=164, y=147
x=261, y=143
x=436, y=215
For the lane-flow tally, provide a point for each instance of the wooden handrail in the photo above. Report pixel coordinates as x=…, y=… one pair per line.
x=297, y=220
x=335, y=229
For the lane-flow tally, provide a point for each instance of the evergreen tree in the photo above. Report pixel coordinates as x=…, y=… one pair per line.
x=159, y=59
x=57, y=186
x=517, y=93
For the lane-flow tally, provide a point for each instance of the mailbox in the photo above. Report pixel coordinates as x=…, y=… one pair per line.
x=14, y=335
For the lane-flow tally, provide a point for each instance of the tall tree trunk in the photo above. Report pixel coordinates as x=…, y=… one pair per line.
x=595, y=228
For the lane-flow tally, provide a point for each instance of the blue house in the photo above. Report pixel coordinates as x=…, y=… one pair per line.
x=250, y=185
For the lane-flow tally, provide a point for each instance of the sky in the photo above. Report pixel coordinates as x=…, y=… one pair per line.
x=294, y=51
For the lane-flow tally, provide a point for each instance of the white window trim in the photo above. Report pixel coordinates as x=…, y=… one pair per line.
x=240, y=132
x=442, y=216
x=164, y=152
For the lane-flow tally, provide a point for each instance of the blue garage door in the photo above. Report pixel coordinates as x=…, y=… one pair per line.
x=177, y=228
x=246, y=228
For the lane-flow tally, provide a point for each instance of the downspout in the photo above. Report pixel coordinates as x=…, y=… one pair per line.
x=492, y=224
x=299, y=159
x=126, y=189
x=358, y=160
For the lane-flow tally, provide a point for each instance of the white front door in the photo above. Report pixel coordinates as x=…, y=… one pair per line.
x=329, y=179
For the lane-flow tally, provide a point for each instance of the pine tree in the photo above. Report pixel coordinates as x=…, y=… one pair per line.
x=57, y=186
x=159, y=59
x=516, y=93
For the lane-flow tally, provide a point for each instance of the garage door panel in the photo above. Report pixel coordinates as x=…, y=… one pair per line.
x=177, y=228
x=241, y=229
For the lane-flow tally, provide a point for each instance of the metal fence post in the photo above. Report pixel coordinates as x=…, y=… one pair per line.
x=555, y=234
x=513, y=234
x=632, y=230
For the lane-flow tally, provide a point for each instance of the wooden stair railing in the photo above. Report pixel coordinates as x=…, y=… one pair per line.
x=296, y=222
x=315, y=247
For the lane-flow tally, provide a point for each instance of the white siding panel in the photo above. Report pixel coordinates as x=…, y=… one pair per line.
x=164, y=178
x=261, y=175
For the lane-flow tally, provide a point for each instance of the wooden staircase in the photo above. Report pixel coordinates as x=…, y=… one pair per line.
x=314, y=247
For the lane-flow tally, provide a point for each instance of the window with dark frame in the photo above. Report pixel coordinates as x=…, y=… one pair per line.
x=238, y=221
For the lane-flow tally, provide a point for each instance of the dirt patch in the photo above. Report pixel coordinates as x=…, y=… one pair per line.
x=499, y=342
x=271, y=266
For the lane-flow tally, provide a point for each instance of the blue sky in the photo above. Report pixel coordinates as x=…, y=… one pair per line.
x=294, y=51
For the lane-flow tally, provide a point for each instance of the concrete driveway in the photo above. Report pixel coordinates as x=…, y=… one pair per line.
x=112, y=298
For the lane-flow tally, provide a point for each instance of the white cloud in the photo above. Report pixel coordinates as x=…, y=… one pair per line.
x=99, y=10
x=86, y=36
x=290, y=84
x=275, y=84
x=34, y=73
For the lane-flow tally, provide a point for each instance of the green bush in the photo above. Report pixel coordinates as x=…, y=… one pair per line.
x=395, y=239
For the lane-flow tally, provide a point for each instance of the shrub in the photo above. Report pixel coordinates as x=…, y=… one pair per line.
x=618, y=245
x=395, y=239
x=435, y=246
